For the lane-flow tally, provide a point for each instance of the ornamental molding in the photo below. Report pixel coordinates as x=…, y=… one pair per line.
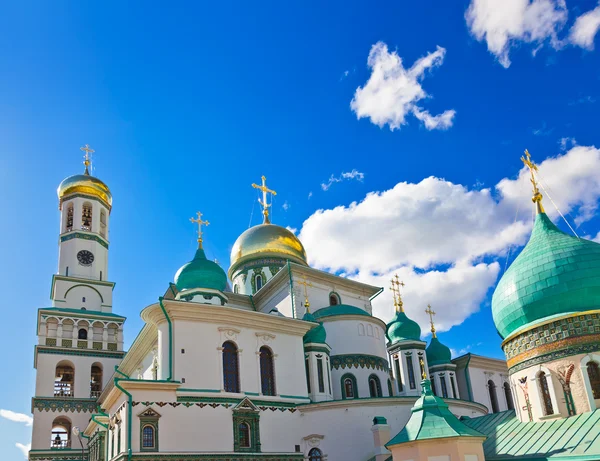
x=81, y=352
x=229, y=333
x=554, y=336
x=359, y=361
x=224, y=402
x=574, y=349
x=264, y=337
x=84, y=236
x=238, y=456
x=67, y=405
x=65, y=454
x=313, y=440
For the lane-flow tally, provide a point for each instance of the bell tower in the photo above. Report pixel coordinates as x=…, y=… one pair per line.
x=80, y=339
x=85, y=203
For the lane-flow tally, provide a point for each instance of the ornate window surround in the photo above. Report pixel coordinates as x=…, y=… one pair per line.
x=149, y=417
x=354, y=386
x=246, y=412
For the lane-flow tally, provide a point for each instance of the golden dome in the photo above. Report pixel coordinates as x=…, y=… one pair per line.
x=266, y=241
x=86, y=185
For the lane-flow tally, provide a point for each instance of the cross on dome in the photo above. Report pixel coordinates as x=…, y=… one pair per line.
x=431, y=314
x=87, y=160
x=537, y=196
x=200, y=223
x=306, y=284
x=396, y=284
x=265, y=190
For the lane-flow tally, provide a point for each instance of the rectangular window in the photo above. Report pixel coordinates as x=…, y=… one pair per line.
x=320, y=377
x=411, y=372
x=307, y=374
x=328, y=376
x=454, y=394
x=443, y=386
x=398, y=374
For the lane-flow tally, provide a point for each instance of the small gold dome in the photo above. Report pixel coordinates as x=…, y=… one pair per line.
x=266, y=241
x=86, y=185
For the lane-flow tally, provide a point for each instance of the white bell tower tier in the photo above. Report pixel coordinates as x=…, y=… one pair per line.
x=85, y=203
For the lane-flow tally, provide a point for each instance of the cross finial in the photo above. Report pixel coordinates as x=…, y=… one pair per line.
x=396, y=284
x=200, y=223
x=537, y=196
x=431, y=314
x=306, y=284
x=87, y=161
x=265, y=190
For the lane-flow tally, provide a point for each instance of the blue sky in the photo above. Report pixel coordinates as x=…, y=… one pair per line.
x=187, y=105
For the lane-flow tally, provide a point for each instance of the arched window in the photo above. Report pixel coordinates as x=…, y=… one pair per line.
x=148, y=436
x=315, y=455
x=69, y=224
x=594, y=375
x=267, y=371
x=349, y=390
x=61, y=433
x=411, y=372
x=244, y=431
x=374, y=386
x=236, y=288
x=369, y=330
x=334, y=299
x=390, y=389
x=82, y=333
x=231, y=373
x=508, y=395
x=493, y=396
x=96, y=381
x=545, y=393
x=103, y=223
x=433, y=385
x=64, y=379
x=361, y=329
x=86, y=217
x=259, y=282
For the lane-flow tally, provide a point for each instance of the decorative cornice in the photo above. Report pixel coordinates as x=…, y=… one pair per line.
x=207, y=313
x=215, y=457
x=572, y=349
x=63, y=454
x=84, y=236
x=54, y=404
x=359, y=361
x=186, y=401
x=80, y=352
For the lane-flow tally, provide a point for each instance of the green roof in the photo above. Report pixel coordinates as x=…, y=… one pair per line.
x=437, y=353
x=316, y=334
x=431, y=419
x=82, y=312
x=401, y=328
x=340, y=309
x=555, y=274
x=573, y=438
x=201, y=273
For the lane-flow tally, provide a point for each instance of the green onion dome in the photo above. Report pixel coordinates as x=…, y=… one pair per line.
x=201, y=273
x=401, y=328
x=317, y=334
x=555, y=274
x=437, y=353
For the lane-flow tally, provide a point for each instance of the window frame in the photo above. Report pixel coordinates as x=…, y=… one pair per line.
x=267, y=371
x=231, y=376
x=352, y=378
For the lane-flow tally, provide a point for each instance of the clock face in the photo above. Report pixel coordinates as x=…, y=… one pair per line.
x=85, y=257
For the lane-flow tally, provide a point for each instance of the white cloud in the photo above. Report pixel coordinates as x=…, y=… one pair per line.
x=567, y=143
x=286, y=205
x=392, y=92
x=543, y=130
x=293, y=230
x=24, y=449
x=16, y=417
x=354, y=174
x=504, y=24
x=310, y=194
x=585, y=28
x=442, y=238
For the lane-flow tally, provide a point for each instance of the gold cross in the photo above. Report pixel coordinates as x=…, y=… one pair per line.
x=396, y=284
x=431, y=314
x=86, y=158
x=537, y=196
x=265, y=190
x=199, y=221
x=306, y=284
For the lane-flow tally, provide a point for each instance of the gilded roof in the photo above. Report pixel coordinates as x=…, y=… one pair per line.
x=84, y=184
x=266, y=241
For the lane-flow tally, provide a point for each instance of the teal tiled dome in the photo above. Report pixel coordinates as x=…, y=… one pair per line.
x=437, y=353
x=201, y=273
x=555, y=274
x=401, y=328
x=317, y=334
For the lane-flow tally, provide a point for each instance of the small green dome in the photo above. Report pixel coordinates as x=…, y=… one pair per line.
x=200, y=273
x=340, y=309
x=401, y=328
x=317, y=334
x=555, y=274
x=437, y=353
